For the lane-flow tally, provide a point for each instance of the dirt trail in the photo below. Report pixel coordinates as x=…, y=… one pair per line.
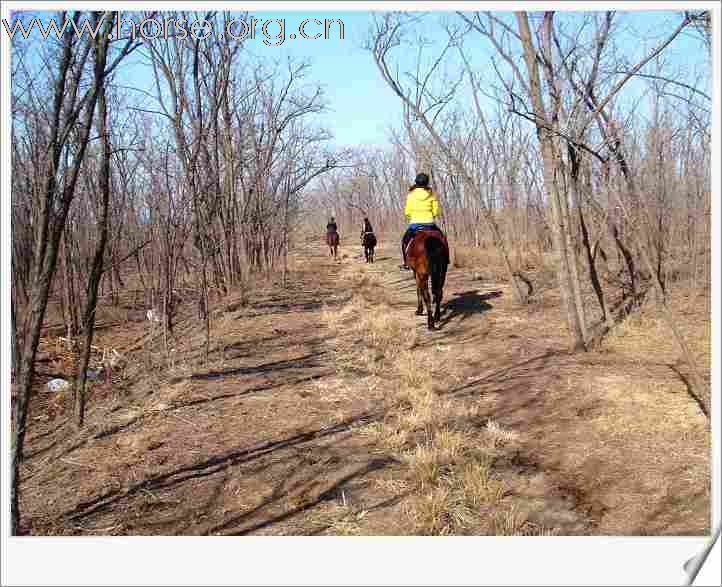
x=272, y=439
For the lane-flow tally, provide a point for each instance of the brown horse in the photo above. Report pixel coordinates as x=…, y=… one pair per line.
x=428, y=256
x=332, y=240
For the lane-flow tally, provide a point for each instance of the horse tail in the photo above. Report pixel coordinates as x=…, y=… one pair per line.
x=438, y=261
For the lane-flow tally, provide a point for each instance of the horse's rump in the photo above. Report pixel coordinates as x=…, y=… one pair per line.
x=417, y=246
x=332, y=238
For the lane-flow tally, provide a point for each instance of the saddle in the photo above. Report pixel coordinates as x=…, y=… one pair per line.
x=435, y=232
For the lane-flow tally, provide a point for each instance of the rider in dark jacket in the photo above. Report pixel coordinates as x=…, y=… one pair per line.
x=367, y=228
x=331, y=226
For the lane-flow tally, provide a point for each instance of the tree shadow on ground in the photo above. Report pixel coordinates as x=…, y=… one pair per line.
x=321, y=488
x=222, y=464
x=510, y=377
x=690, y=390
x=303, y=362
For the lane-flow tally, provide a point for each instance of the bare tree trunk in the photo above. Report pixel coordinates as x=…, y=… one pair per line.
x=97, y=267
x=590, y=255
x=68, y=294
x=552, y=171
x=572, y=258
x=592, y=264
x=14, y=340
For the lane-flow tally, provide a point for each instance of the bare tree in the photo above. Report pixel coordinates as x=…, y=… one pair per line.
x=70, y=107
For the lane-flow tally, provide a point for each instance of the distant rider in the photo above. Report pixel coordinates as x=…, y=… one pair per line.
x=367, y=229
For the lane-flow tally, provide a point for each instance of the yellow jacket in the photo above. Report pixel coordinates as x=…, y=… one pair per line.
x=421, y=206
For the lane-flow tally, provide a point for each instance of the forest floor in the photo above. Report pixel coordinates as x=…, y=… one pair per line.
x=327, y=408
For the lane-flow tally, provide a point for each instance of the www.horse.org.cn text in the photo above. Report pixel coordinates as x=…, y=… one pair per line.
x=271, y=31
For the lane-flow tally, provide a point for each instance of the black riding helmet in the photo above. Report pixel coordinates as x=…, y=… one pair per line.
x=422, y=180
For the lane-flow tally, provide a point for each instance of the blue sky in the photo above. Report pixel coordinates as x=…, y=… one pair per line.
x=361, y=106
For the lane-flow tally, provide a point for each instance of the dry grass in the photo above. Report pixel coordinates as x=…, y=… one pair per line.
x=439, y=512
x=455, y=484
x=413, y=369
x=391, y=485
x=476, y=484
x=427, y=461
x=447, y=450
x=455, y=498
x=486, y=260
x=386, y=436
x=498, y=436
x=639, y=331
x=645, y=331
x=369, y=336
x=340, y=520
x=488, y=265
x=509, y=522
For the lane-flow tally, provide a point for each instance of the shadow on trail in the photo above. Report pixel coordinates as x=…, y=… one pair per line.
x=316, y=484
x=511, y=376
x=467, y=304
x=251, y=390
x=304, y=362
x=221, y=464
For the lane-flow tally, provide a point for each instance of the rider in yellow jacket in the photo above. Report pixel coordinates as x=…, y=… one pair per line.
x=421, y=210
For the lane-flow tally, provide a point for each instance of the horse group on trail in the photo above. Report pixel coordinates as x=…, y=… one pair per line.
x=424, y=248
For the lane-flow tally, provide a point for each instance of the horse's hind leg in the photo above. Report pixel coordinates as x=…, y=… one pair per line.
x=438, y=291
x=419, y=297
x=422, y=293
x=438, y=295
x=427, y=303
